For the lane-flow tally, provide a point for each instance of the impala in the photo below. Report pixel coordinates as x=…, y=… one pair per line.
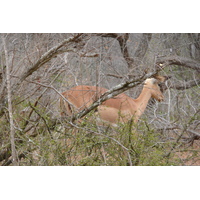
x=121, y=108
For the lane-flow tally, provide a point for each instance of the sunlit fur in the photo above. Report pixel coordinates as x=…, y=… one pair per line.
x=121, y=108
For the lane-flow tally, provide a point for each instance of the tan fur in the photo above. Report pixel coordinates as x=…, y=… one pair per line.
x=121, y=108
x=79, y=97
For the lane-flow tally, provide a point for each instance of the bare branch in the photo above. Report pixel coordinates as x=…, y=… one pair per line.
x=133, y=61
x=67, y=45
x=122, y=39
x=114, y=75
x=186, y=85
x=51, y=54
x=89, y=55
x=143, y=45
x=178, y=60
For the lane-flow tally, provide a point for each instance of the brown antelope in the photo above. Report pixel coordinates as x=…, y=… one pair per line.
x=121, y=108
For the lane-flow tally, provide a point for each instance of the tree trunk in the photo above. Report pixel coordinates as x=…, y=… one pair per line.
x=12, y=129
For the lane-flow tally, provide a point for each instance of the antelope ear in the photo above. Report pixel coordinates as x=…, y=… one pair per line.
x=154, y=81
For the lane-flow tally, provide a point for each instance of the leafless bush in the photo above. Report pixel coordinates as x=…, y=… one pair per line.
x=43, y=65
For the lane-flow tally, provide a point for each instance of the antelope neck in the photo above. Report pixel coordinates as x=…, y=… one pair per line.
x=143, y=99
